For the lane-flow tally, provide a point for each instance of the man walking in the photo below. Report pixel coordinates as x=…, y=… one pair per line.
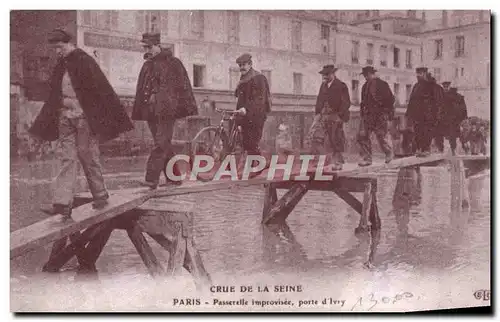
x=453, y=111
x=377, y=109
x=422, y=111
x=332, y=110
x=253, y=105
x=82, y=110
x=163, y=95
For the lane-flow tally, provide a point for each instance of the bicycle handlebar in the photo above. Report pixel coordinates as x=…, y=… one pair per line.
x=226, y=111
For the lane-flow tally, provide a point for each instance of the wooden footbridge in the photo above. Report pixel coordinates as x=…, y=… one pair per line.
x=141, y=211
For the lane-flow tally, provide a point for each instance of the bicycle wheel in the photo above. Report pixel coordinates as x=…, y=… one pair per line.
x=210, y=141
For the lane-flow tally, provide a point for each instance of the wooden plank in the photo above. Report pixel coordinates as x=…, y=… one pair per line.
x=55, y=228
x=457, y=174
x=367, y=205
x=177, y=252
x=471, y=157
x=375, y=221
x=94, y=249
x=197, y=268
x=270, y=198
x=349, y=199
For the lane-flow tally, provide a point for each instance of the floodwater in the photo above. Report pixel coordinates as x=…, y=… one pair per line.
x=423, y=258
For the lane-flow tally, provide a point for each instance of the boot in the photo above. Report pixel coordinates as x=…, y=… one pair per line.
x=388, y=157
x=100, y=202
x=57, y=209
x=364, y=163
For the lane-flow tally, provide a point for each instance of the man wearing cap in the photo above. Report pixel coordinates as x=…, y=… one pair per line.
x=332, y=110
x=254, y=103
x=163, y=95
x=422, y=111
x=81, y=111
x=377, y=109
x=452, y=112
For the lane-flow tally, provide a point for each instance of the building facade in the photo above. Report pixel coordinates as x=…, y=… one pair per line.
x=289, y=47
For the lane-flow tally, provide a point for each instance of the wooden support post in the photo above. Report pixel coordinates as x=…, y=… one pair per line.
x=349, y=199
x=144, y=250
x=93, y=250
x=375, y=222
x=270, y=199
x=177, y=251
x=55, y=263
x=365, y=211
x=282, y=208
x=458, y=185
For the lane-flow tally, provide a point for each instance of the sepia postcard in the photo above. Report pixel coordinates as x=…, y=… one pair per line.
x=250, y=160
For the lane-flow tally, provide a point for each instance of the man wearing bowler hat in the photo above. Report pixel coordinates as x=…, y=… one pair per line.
x=163, y=95
x=81, y=111
x=254, y=103
x=332, y=110
x=422, y=111
x=377, y=109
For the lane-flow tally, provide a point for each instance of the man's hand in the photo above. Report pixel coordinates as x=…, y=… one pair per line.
x=152, y=99
x=242, y=111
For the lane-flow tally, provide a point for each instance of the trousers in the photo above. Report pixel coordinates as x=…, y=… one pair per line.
x=366, y=128
x=251, y=132
x=423, y=135
x=327, y=134
x=162, y=132
x=77, y=143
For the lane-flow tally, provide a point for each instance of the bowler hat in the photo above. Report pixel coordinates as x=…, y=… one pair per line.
x=245, y=58
x=446, y=83
x=368, y=70
x=59, y=35
x=421, y=69
x=327, y=69
x=150, y=39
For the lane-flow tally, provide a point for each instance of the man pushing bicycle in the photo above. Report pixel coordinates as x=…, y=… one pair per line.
x=254, y=103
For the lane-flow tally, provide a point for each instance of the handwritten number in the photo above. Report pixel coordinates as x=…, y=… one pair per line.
x=372, y=300
x=358, y=302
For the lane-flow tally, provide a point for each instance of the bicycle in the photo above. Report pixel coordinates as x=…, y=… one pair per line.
x=216, y=142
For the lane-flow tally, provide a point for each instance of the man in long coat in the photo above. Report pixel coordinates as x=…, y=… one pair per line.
x=82, y=110
x=254, y=103
x=332, y=111
x=377, y=109
x=422, y=111
x=453, y=111
x=164, y=94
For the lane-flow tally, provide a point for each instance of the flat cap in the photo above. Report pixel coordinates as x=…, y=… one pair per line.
x=368, y=70
x=59, y=35
x=245, y=58
x=421, y=69
x=150, y=38
x=327, y=69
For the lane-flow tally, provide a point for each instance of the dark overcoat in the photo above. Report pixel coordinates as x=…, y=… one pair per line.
x=105, y=114
x=453, y=112
x=254, y=95
x=377, y=100
x=165, y=76
x=425, y=100
x=335, y=98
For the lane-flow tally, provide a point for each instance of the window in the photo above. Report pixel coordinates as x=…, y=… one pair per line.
x=152, y=21
x=297, y=83
x=396, y=57
x=197, y=23
x=462, y=72
x=234, y=78
x=396, y=94
x=233, y=27
x=383, y=55
x=265, y=31
x=296, y=36
x=408, y=92
x=437, y=74
x=456, y=72
x=101, y=19
x=408, y=59
x=377, y=27
x=198, y=76
x=355, y=52
x=369, y=54
x=412, y=13
x=460, y=46
x=355, y=91
x=439, y=48
x=325, y=39
x=267, y=74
